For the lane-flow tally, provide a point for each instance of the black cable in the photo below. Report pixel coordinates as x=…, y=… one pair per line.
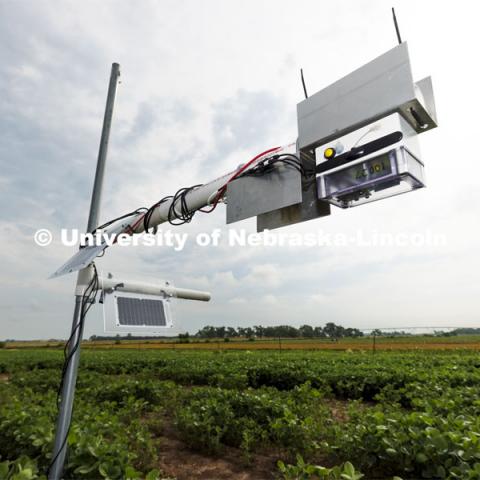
x=267, y=165
x=178, y=211
x=101, y=227
x=185, y=215
x=147, y=217
x=135, y=212
x=88, y=299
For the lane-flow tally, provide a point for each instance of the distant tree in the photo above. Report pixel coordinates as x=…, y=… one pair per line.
x=241, y=331
x=249, y=332
x=184, y=337
x=231, y=332
x=319, y=332
x=207, y=332
x=353, y=332
x=259, y=331
x=333, y=331
x=286, y=331
x=466, y=331
x=306, y=331
x=221, y=332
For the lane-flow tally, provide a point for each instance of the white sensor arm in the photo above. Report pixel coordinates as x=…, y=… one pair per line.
x=153, y=289
x=195, y=199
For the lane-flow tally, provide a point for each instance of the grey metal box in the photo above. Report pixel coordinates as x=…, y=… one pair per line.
x=251, y=196
x=378, y=88
x=308, y=209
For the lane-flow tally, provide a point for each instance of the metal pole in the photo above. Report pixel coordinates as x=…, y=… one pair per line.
x=84, y=277
x=103, y=149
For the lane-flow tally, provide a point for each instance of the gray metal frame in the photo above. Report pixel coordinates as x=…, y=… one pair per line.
x=378, y=88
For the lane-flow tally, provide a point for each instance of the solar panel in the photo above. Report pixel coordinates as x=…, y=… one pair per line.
x=141, y=312
x=80, y=260
x=138, y=314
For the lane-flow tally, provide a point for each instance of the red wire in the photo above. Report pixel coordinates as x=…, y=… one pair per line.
x=222, y=189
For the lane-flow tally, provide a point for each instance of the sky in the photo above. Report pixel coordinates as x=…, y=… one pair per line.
x=205, y=86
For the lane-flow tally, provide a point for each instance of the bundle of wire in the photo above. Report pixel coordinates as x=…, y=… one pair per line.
x=179, y=212
x=268, y=164
x=185, y=215
x=87, y=300
x=130, y=214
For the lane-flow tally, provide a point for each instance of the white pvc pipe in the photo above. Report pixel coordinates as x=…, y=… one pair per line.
x=153, y=289
x=198, y=198
x=195, y=199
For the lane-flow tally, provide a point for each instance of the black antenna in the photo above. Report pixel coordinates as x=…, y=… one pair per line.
x=303, y=83
x=396, y=26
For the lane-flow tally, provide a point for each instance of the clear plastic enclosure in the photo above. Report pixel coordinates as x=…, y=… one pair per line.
x=391, y=173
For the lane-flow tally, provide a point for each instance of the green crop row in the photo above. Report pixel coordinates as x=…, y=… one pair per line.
x=410, y=415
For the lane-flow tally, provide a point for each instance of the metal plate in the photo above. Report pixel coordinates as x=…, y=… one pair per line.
x=251, y=196
x=81, y=259
x=141, y=312
x=376, y=89
x=309, y=209
x=426, y=88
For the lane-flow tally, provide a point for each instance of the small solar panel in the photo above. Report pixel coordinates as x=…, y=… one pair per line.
x=140, y=312
x=80, y=260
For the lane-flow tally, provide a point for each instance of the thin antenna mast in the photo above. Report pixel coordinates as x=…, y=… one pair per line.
x=399, y=38
x=303, y=83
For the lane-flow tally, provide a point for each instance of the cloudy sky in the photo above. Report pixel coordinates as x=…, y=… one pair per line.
x=205, y=86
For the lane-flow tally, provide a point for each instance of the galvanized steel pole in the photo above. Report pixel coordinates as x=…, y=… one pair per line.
x=84, y=277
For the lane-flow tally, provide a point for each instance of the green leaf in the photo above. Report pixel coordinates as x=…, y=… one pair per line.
x=103, y=469
x=4, y=467
x=83, y=469
x=26, y=474
x=421, y=458
x=349, y=469
x=153, y=475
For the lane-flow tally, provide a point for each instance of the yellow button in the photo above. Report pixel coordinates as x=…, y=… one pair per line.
x=329, y=153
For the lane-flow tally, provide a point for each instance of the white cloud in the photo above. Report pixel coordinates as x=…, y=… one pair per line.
x=264, y=276
x=270, y=299
x=205, y=86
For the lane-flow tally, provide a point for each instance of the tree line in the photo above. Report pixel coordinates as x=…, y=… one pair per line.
x=330, y=330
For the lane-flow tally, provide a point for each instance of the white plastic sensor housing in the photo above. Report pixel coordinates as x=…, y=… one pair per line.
x=394, y=169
